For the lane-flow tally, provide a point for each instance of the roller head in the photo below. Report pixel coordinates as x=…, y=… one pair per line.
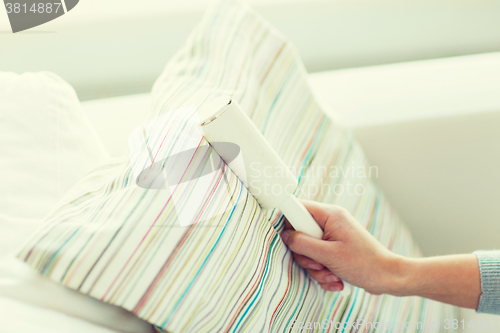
x=260, y=168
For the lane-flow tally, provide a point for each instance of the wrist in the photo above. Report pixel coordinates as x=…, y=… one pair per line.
x=398, y=280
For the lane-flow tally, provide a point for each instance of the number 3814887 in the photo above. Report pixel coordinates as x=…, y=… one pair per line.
x=36, y=8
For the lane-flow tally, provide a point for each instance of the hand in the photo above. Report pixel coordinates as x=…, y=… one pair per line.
x=348, y=252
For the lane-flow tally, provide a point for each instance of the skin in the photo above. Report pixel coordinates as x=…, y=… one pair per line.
x=349, y=252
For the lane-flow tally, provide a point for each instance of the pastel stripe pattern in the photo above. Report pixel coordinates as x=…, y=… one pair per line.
x=229, y=272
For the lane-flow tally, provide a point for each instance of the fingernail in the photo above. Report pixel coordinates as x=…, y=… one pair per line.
x=331, y=278
x=315, y=266
x=285, y=235
x=335, y=288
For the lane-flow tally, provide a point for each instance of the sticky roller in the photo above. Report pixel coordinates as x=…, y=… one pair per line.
x=223, y=120
x=263, y=172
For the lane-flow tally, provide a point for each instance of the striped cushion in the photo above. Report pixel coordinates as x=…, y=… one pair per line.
x=123, y=244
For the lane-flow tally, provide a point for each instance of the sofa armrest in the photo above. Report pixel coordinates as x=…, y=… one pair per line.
x=432, y=129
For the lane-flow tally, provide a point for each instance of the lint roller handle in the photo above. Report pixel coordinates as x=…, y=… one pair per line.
x=300, y=218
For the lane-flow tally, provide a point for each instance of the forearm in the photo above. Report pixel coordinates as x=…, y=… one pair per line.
x=451, y=279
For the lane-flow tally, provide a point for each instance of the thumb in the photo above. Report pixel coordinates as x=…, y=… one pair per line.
x=301, y=243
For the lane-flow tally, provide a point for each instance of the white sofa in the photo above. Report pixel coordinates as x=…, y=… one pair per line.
x=431, y=127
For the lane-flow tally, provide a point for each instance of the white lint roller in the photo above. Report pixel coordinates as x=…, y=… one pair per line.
x=261, y=169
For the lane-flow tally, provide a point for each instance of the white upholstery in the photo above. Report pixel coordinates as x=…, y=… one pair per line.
x=432, y=129
x=329, y=34
x=47, y=145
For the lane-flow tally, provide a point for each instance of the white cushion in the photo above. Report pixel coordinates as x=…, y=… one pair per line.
x=47, y=145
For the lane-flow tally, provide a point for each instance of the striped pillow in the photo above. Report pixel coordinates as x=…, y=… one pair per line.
x=123, y=244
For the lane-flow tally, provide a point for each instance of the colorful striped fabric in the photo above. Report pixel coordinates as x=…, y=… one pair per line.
x=230, y=272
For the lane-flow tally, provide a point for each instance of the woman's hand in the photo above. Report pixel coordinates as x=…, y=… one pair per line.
x=348, y=252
